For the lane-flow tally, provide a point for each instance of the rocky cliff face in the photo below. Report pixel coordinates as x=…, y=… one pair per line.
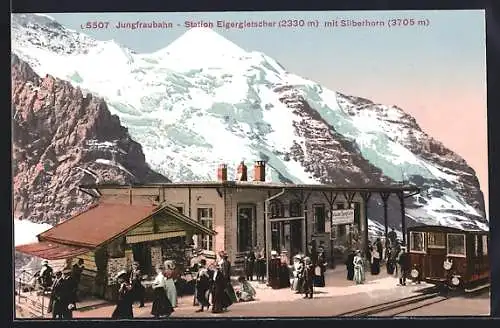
x=424, y=146
x=61, y=139
x=333, y=158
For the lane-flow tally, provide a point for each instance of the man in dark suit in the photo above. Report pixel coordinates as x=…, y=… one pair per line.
x=62, y=299
x=404, y=265
x=137, y=287
x=249, y=264
x=308, y=278
x=392, y=236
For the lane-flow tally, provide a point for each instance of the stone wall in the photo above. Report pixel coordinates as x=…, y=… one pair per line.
x=129, y=255
x=115, y=265
x=156, y=256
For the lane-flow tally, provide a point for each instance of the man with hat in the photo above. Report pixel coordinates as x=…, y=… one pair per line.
x=308, y=274
x=45, y=275
x=195, y=260
x=123, y=309
x=392, y=237
x=404, y=265
x=137, y=287
x=62, y=299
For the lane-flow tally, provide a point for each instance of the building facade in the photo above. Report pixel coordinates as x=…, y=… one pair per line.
x=262, y=215
x=238, y=215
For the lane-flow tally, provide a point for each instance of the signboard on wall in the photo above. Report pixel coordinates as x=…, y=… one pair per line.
x=338, y=217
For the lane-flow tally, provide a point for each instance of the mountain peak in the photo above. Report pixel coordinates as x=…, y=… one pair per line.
x=36, y=19
x=203, y=42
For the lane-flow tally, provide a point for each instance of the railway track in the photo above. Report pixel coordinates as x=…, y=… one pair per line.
x=408, y=304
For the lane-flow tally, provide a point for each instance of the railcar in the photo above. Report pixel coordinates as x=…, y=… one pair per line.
x=451, y=257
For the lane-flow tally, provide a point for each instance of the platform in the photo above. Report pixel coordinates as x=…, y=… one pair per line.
x=336, y=281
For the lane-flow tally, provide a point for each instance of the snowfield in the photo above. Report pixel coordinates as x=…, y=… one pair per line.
x=25, y=232
x=191, y=113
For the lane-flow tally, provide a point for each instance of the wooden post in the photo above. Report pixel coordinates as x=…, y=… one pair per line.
x=331, y=201
x=366, y=197
x=303, y=199
x=403, y=215
x=267, y=237
x=385, y=197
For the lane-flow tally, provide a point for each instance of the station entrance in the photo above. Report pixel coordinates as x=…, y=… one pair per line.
x=286, y=235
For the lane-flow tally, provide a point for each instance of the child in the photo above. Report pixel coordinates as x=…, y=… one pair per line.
x=246, y=293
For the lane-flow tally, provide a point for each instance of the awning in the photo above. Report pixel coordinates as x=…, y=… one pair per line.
x=52, y=251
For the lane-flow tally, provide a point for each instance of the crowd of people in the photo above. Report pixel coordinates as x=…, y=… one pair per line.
x=131, y=290
x=213, y=288
x=62, y=286
x=394, y=255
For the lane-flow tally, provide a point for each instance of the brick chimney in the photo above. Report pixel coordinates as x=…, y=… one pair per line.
x=242, y=174
x=222, y=172
x=259, y=171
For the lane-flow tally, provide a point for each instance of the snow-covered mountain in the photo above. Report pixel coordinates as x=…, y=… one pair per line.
x=203, y=100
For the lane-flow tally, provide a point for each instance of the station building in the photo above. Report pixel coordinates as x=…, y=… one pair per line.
x=262, y=215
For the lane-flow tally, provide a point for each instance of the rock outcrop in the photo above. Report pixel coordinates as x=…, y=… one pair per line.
x=63, y=138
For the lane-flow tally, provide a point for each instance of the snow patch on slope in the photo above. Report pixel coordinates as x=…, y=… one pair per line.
x=25, y=232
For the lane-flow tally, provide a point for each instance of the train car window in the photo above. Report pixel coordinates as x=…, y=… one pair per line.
x=456, y=244
x=436, y=240
x=417, y=242
x=478, y=245
x=485, y=244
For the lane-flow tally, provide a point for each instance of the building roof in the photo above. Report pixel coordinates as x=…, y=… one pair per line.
x=263, y=185
x=97, y=225
x=442, y=228
x=52, y=251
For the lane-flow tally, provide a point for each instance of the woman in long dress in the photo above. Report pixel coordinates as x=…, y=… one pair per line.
x=389, y=261
x=284, y=271
x=202, y=286
x=274, y=271
x=123, y=309
x=170, y=288
x=375, y=263
x=350, y=265
x=297, y=268
x=161, y=305
x=319, y=270
x=218, y=291
x=246, y=292
x=359, y=273
x=225, y=267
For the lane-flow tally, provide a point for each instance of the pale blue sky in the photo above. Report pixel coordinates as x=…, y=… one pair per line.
x=436, y=73
x=453, y=39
